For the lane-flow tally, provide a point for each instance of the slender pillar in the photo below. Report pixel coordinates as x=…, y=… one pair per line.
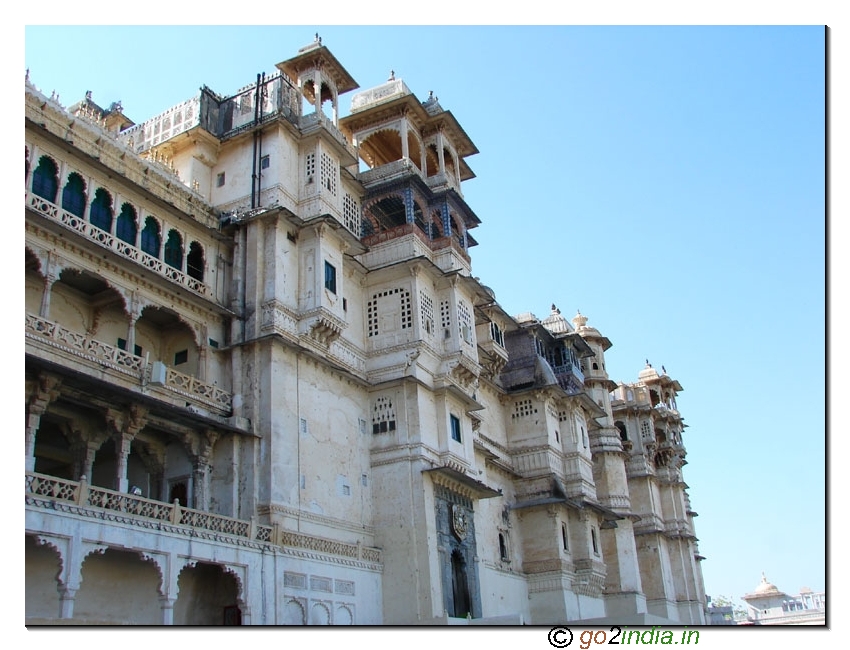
x=135, y=313
x=405, y=151
x=122, y=448
x=66, y=602
x=200, y=481
x=40, y=393
x=125, y=424
x=167, y=607
x=50, y=277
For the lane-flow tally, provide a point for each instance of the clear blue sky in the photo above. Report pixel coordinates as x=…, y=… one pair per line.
x=669, y=182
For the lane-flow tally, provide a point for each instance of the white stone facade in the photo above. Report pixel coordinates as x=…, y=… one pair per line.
x=263, y=387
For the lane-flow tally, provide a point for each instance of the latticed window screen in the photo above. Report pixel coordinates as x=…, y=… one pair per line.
x=464, y=321
x=445, y=315
x=351, y=214
x=426, y=307
x=383, y=416
x=377, y=304
x=329, y=173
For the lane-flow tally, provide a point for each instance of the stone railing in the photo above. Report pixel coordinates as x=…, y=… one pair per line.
x=312, y=120
x=85, y=346
x=188, y=386
x=103, y=354
x=394, y=169
x=81, y=494
x=442, y=181
x=164, y=126
x=107, y=240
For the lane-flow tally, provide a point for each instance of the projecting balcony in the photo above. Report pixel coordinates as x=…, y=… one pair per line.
x=494, y=356
x=441, y=182
x=391, y=171
x=408, y=241
x=94, y=234
x=570, y=378
x=81, y=353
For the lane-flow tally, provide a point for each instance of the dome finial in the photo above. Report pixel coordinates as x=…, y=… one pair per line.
x=579, y=320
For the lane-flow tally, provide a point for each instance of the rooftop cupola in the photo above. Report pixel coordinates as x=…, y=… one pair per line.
x=319, y=76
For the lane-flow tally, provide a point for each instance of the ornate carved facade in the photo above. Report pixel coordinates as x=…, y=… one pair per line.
x=263, y=386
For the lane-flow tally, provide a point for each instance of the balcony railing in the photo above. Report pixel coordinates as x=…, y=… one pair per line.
x=136, y=508
x=313, y=120
x=84, y=346
x=103, y=354
x=189, y=386
x=391, y=170
x=107, y=240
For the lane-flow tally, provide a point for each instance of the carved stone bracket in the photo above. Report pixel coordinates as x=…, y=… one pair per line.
x=322, y=326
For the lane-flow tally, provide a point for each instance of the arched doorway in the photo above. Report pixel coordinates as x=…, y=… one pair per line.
x=460, y=586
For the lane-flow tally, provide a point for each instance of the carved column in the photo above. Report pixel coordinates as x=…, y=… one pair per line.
x=44, y=310
x=125, y=425
x=441, y=158
x=201, y=469
x=85, y=449
x=405, y=151
x=66, y=601
x=203, y=350
x=70, y=576
x=135, y=313
x=40, y=393
x=317, y=92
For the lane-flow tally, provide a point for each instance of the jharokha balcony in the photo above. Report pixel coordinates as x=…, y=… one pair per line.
x=407, y=241
x=48, y=339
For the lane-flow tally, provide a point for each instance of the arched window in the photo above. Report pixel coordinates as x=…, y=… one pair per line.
x=436, y=225
x=593, y=541
x=389, y=213
x=150, y=237
x=565, y=539
x=100, y=213
x=125, y=226
x=457, y=232
x=45, y=182
x=419, y=220
x=624, y=436
x=174, y=250
x=195, y=261
x=74, y=195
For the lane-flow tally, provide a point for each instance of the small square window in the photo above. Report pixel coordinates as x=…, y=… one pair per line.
x=181, y=357
x=455, y=423
x=330, y=277
x=213, y=343
x=219, y=180
x=265, y=162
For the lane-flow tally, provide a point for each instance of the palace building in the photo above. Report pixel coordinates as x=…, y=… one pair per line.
x=264, y=387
